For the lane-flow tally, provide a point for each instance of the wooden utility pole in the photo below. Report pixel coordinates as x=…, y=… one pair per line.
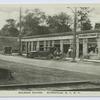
x=74, y=11
x=20, y=31
x=74, y=34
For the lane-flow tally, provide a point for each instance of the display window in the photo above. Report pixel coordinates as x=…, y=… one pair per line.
x=92, y=46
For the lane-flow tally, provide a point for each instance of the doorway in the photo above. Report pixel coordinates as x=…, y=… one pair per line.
x=80, y=50
x=65, y=48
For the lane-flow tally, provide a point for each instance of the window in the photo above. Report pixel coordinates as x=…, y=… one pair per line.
x=34, y=45
x=67, y=41
x=50, y=43
x=57, y=44
x=47, y=45
x=23, y=46
x=41, y=45
x=80, y=41
x=29, y=46
x=92, y=45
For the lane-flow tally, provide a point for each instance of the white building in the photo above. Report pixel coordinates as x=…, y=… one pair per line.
x=87, y=42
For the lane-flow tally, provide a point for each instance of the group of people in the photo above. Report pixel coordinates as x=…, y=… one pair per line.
x=92, y=49
x=56, y=52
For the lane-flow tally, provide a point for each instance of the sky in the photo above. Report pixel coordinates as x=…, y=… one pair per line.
x=12, y=11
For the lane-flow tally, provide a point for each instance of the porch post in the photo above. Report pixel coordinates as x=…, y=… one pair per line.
x=77, y=47
x=26, y=49
x=98, y=46
x=61, y=45
x=52, y=43
x=37, y=47
x=44, y=45
x=28, y=46
x=84, y=47
x=32, y=46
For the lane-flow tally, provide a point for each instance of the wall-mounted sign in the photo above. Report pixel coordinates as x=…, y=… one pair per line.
x=88, y=35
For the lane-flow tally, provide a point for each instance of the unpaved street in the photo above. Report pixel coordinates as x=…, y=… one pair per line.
x=90, y=68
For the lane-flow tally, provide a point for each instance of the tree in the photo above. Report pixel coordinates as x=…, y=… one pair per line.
x=36, y=22
x=9, y=29
x=84, y=21
x=86, y=25
x=33, y=23
x=59, y=23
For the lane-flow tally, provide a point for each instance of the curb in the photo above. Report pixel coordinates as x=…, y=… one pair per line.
x=42, y=85
x=84, y=60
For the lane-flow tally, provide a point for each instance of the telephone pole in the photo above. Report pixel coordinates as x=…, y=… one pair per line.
x=74, y=34
x=74, y=11
x=20, y=31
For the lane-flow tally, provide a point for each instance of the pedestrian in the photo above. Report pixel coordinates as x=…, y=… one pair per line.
x=70, y=51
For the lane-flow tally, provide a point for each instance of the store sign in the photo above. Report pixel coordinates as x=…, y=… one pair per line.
x=88, y=35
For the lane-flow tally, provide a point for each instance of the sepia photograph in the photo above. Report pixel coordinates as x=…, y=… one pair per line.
x=50, y=49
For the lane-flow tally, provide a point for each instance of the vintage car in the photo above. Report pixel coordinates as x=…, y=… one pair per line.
x=49, y=54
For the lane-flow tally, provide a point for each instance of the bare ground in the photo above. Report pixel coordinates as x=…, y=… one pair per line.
x=30, y=74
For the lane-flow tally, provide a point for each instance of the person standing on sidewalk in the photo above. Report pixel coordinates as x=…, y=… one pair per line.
x=70, y=52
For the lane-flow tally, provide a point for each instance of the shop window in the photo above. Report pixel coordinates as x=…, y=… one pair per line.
x=92, y=45
x=29, y=46
x=41, y=48
x=71, y=41
x=57, y=44
x=47, y=45
x=67, y=41
x=41, y=45
x=80, y=41
x=23, y=46
x=34, y=45
x=80, y=47
x=50, y=43
x=66, y=45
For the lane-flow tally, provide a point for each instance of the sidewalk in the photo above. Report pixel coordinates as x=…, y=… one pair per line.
x=79, y=66
x=85, y=60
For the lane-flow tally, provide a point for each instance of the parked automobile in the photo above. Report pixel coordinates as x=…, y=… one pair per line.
x=49, y=54
x=7, y=50
x=39, y=54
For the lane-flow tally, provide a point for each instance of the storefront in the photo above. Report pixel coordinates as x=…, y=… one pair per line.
x=87, y=44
